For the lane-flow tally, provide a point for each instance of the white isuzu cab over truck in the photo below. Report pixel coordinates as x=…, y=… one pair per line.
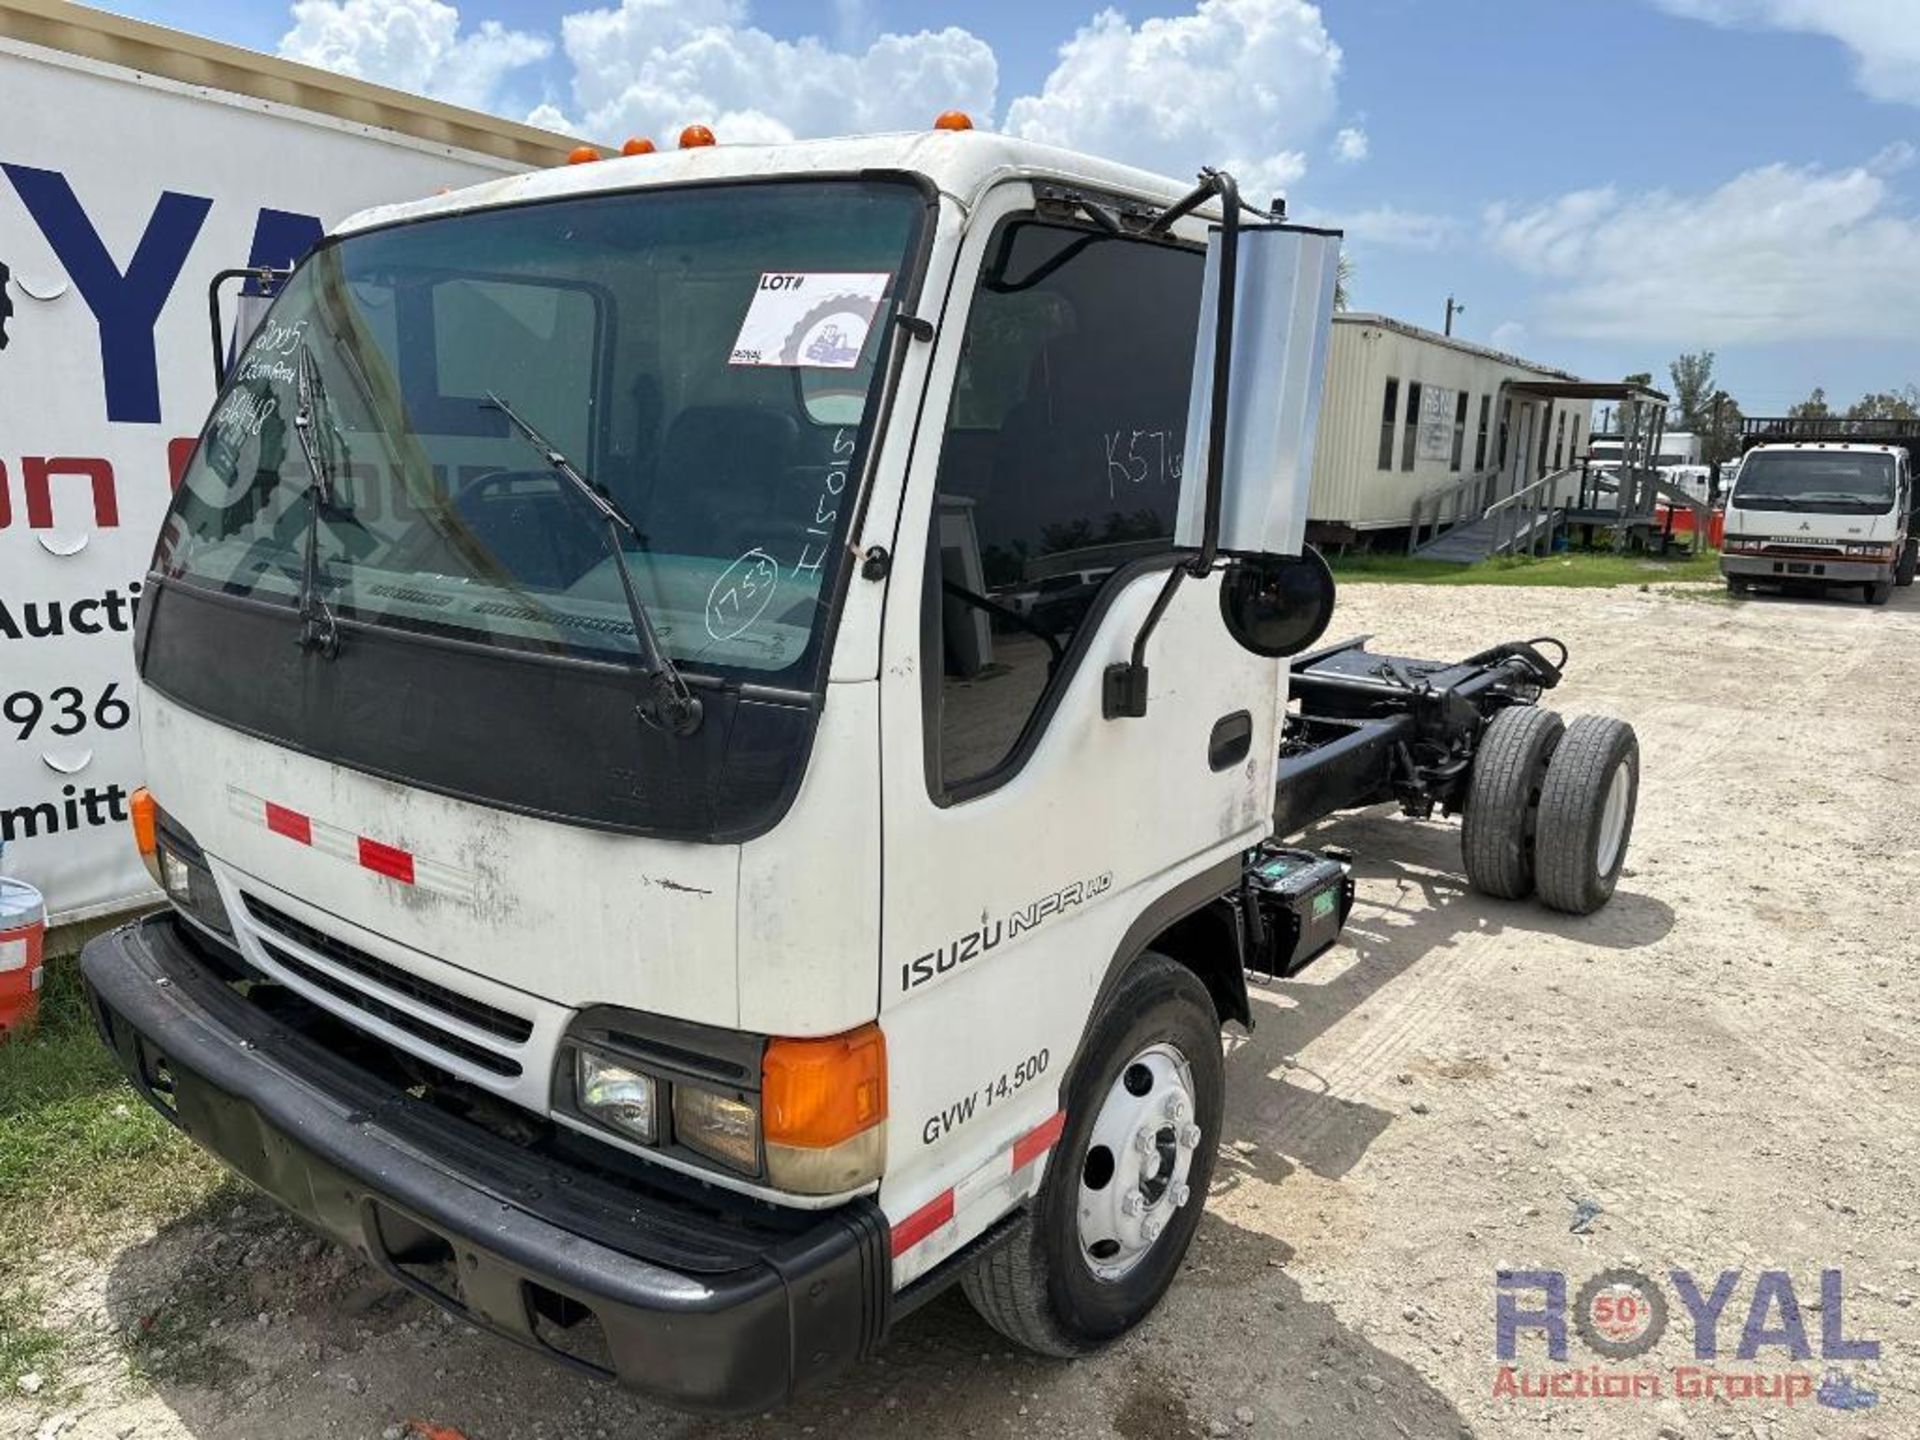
x=1822, y=513
x=637, y=879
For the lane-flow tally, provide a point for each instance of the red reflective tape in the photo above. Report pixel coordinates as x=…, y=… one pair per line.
x=1037, y=1141
x=290, y=823
x=922, y=1223
x=386, y=860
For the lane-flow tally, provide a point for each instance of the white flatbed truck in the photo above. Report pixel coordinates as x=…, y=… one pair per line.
x=1825, y=513
x=632, y=883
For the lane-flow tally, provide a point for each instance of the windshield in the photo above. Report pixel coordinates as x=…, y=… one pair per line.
x=707, y=356
x=1837, y=480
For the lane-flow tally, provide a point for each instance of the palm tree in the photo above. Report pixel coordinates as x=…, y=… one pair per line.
x=1343, y=282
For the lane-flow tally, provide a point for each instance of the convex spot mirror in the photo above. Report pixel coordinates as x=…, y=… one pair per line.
x=1277, y=605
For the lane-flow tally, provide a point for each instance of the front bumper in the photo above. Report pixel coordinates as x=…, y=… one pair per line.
x=1806, y=567
x=699, y=1302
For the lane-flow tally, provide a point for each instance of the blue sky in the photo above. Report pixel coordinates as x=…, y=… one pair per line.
x=1602, y=183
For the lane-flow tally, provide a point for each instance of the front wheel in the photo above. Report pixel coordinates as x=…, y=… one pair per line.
x=1738, y=585
x=1125, y=1187
x=1879, y=592
x=1907, y=564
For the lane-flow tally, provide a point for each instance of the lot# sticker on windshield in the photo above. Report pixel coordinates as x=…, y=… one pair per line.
x=814, y=319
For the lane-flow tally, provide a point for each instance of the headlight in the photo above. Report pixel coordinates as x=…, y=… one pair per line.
x=1870, y=552
x=806, y=1116
x=722, y=1127
x=178, y=865
x=616, y=1096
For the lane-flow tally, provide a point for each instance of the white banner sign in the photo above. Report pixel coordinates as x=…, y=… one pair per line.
x=1437, y=417
x=120, y=198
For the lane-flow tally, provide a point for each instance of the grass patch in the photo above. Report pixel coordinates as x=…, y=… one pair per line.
x=25, y=1344
x=82, y=1158
x=1574, y=570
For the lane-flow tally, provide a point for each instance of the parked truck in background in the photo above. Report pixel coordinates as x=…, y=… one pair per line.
x=633, y=881
x=1822, y=514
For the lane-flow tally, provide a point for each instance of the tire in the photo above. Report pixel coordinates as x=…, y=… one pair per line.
x=1908, y=563
x=1503, y=794
x=1586, y=814
x=1738, y=585
x=1039, y=1288
x=1879, y=592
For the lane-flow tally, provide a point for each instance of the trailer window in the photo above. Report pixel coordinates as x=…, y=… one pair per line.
x=1480, y=441
x=1060, y=464
x=1560, y=441
x=1410, y=444
x=1459, y=429
x=1388, y=416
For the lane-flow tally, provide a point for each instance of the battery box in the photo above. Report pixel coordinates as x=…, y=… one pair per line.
x=1295, y=903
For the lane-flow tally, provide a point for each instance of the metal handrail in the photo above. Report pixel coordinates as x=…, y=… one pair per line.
x=1478, y=484
x=1517, y=517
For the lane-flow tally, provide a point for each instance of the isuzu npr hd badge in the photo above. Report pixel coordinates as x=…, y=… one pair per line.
x=962, y=948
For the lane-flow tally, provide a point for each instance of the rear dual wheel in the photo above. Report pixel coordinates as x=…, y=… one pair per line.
x=1550, y=808
x=1586, y=814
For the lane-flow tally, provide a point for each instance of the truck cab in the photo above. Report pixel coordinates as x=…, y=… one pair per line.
x=631, y=878
x=714, y=727
x=1822, y=514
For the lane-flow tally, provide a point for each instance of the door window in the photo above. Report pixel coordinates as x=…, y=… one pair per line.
x=1060, y=466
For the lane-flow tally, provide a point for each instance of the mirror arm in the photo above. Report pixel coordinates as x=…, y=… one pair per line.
x=265, y=275
x=1124, y=691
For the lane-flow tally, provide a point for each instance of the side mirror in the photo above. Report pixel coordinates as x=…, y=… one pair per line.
x=1277, y=605
x=1281, y=279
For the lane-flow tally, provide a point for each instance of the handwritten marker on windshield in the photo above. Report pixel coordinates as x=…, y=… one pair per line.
x=694, y=136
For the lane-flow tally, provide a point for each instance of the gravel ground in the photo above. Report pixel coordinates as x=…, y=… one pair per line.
x=1722, y=1061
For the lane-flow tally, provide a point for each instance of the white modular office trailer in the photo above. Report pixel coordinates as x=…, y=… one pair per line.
x=1408, y=412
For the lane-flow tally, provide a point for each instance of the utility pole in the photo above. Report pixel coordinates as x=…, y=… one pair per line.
x=1453, y=310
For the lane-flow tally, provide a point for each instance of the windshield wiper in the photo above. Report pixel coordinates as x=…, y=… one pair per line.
x=318, y=629
x=667, y=703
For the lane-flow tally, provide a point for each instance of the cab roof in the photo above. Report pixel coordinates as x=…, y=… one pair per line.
x=1828, y=445
x=961, y=164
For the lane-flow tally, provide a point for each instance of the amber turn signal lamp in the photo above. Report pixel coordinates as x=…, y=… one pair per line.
x=143, y=815
x=816, y=1093
x=953, y=120
x=583, y=155
x=638, y=145
x=695, y=136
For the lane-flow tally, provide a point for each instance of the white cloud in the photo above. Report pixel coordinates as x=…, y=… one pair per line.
x=648, y=67
x=1510, y=336
x=1245, y=84
x=1351, y=145
x=1884, y=35
x=1401, y=229
x=1778, y=253
x=413, y=45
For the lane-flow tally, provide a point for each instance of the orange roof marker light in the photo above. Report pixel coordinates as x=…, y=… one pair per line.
x=695, y=136
x=583, y=155
x=638, y=145
x=953, y=120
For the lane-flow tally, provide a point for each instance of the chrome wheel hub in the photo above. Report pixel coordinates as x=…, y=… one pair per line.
x=1133, y=1176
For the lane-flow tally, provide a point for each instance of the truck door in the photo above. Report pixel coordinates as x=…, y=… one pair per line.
x=1025, y=835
